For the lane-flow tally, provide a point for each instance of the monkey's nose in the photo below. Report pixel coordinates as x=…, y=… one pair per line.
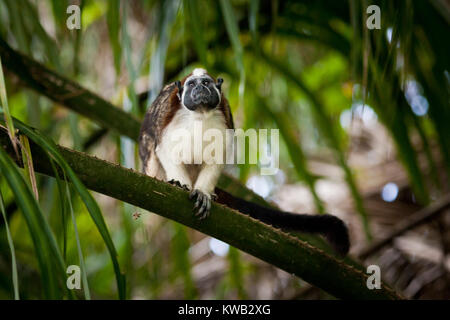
x=200, y=94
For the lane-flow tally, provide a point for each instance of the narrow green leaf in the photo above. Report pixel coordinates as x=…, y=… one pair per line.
x=34, y=27
x=427, y=149
x=236, y=272
x=87, y=293
x=253, y=20
x=49, y=146
x=197, y=30
x=233, y=33
x=394, y=119
x=17, y=25
x=233, y=30
x=47, y=252
x=59, y=8
x=168, y=12
x=77, y=46
x=180, y=250
x=62, y=200
x=15, y=278
x=28, y=164
x=129, y=63
x=113, y=21
x=5, y=107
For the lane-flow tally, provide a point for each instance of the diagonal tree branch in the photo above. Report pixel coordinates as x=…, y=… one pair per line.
x=341, y=279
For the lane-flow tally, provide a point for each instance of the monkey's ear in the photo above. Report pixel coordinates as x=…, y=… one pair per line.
x=219, y=83
x=180, y=89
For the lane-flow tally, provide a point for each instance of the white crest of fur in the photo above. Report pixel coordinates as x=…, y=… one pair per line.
x=198, y=72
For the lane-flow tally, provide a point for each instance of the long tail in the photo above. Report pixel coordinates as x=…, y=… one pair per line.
x=329, y=226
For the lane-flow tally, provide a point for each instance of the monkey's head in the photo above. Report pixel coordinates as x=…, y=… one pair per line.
x=199, y=90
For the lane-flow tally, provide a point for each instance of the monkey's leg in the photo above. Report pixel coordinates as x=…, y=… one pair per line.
x=204, y=187
x=175, y=172
x=152, y=167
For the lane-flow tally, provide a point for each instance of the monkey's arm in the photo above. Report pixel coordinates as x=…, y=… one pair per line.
x=204, y=188
x=332, y=228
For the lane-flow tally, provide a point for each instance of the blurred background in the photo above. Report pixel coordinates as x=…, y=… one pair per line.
x=364, y=124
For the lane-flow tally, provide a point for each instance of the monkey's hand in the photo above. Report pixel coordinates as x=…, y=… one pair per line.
x=202, y=203
x=178, y=184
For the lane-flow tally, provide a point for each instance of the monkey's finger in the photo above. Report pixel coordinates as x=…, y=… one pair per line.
x=200, y=211
x=204, y=215
x=193, y=194
x=199, y=200
x=196, y=195
x=205, y=209
x=203, y=206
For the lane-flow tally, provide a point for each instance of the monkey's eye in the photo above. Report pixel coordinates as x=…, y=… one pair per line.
x=205, y=82
x=191, y=84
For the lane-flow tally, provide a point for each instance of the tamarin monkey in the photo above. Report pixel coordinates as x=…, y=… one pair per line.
x=198, y=98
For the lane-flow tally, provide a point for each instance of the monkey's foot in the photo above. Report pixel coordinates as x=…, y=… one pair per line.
x=178, y=184
x=202, y=203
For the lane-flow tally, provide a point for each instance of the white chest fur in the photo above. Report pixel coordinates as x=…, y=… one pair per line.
x=194, y=137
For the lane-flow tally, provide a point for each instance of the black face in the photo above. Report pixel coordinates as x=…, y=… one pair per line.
x=201, y=92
